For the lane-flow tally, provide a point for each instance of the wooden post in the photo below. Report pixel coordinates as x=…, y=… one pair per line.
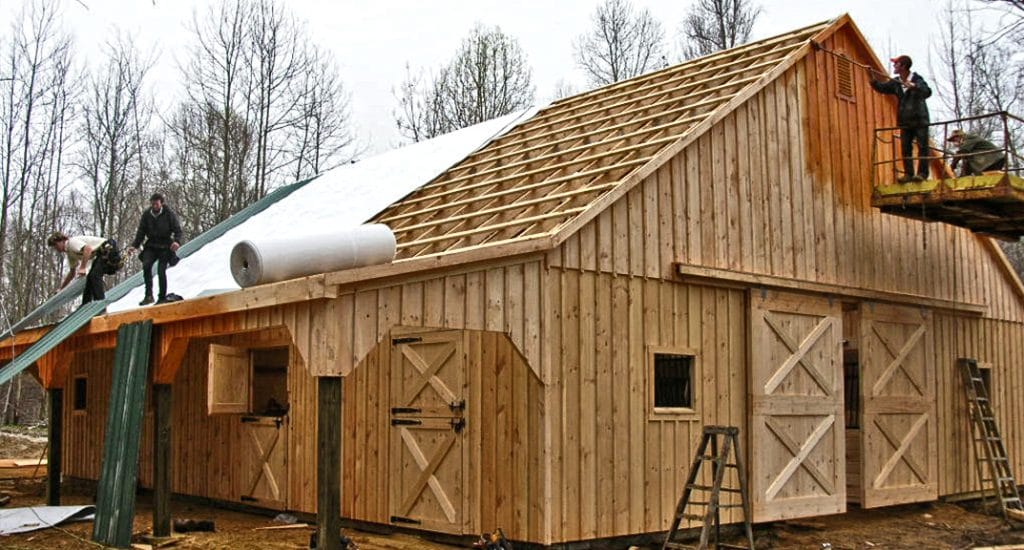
x=328, y=463
x=161, y=460
x=53, y=458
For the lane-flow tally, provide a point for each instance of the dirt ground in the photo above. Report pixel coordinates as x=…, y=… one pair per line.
x=919, y=526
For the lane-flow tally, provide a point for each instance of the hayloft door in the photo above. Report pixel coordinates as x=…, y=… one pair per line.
x=898, y=429
x=428, y=431
x=797, y=441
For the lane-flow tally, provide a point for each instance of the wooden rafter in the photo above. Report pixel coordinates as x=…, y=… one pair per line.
x=549, y=170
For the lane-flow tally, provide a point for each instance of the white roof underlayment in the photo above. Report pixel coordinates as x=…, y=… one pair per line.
x=344, y=197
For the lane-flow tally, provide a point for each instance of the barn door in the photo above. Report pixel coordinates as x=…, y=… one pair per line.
x=263, y=475
x=898, y=429
x=428, y=431
x=796, y=425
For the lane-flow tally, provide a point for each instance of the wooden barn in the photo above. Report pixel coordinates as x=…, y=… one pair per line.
x=572, y=302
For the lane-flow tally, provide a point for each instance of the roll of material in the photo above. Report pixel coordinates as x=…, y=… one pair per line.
x=261, y=261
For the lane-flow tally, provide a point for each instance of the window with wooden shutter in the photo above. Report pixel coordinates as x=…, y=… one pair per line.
x=844, y=79
x=80, y=394
x=229, y=380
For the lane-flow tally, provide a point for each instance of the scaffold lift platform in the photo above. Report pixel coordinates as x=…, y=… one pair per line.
x=990, y=203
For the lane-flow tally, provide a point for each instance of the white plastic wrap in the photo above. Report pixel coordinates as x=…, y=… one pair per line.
x=260, y=261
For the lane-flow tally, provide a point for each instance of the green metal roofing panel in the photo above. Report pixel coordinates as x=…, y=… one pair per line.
x=115, y=495
x=81, y=316
x=55, y=302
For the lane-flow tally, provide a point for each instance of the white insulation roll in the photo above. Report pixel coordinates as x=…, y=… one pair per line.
x=260, y=261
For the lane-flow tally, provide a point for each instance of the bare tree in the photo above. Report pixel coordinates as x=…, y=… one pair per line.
x=322, y=137
x=117, y=116
x=621, y=44
x=487, y=78
x=563, y=89
x=714, y=25
x=218, y=87
x=277, y=61
x=420, y=107
x=35, y=117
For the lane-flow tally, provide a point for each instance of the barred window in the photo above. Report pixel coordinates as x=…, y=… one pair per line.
x=673, y=381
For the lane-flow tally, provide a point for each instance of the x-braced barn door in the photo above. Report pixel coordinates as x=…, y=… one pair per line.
x=898, y=429
x=263, y=476
x=428, y=431
x=796, y=424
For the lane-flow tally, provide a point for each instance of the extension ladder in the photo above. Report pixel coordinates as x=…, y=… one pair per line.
x=717, y=445
x=988, y=444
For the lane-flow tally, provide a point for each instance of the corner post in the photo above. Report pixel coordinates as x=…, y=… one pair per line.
x=161, y=460
x=53, y=458
x=328, y=463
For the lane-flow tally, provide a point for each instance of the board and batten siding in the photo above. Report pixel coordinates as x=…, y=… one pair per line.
x=782, y=187
x=617, y=468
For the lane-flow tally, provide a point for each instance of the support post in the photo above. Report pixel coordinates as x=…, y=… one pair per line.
x=53, y=458
x=328, y=463
x=161, y=460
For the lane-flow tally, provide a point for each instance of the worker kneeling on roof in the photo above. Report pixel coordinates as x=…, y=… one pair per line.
x=90, y=257
x=977, y=153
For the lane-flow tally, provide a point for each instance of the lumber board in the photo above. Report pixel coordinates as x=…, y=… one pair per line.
x=727, y=277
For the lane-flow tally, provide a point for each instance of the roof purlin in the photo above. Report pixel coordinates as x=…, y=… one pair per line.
x=567, y=229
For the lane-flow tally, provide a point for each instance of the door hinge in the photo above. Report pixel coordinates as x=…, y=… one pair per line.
x=405, y=422
x=406, y=340
x=405, y=410
x=458, y=424
x=400, y=519
x=459, y=405
x=247, y=499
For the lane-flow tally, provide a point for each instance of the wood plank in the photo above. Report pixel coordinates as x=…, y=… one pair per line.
x=720, y=277
x=328, y=495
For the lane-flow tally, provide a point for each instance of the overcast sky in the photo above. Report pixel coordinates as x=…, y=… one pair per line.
x=373, y=40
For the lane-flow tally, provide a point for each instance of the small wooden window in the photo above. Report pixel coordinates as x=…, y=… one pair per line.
x=80, y=394
x=844, y=79
x=674, y=382
x=229, y=380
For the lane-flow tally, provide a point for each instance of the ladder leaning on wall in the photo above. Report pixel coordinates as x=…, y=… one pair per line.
x=989, y=449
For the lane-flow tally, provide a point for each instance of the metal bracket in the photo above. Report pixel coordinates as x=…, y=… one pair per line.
x=458, y=424
x=457, y=406
x=405, y=422
x=405, y=410
x=400, y=519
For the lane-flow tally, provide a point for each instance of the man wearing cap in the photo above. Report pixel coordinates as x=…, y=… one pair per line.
x=977, y=153
x=911, y=115
x=161, y=231
x=84, y=259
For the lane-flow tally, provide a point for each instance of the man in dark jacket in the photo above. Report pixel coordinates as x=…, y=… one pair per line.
x=162, y=233
x=911, y=115
x=978, y=154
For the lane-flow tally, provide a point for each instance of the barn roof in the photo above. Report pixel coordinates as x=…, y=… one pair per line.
x=547, y=177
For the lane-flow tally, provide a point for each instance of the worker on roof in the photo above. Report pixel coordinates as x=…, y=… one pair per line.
x=160, y=230
x=911, y=115
x=88, y=256
x=977, y=153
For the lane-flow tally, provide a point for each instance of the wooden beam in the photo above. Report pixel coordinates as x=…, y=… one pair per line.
x=172, y=353
x=302, y=289
x=724, y=277
x=55, y=443
x=161, y=460
x=486, y=228
x=328, y=463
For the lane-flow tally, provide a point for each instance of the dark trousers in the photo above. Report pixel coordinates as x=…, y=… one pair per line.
x=94, y=281
x=907, y=138
x=968, y=171
x=159, y=256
